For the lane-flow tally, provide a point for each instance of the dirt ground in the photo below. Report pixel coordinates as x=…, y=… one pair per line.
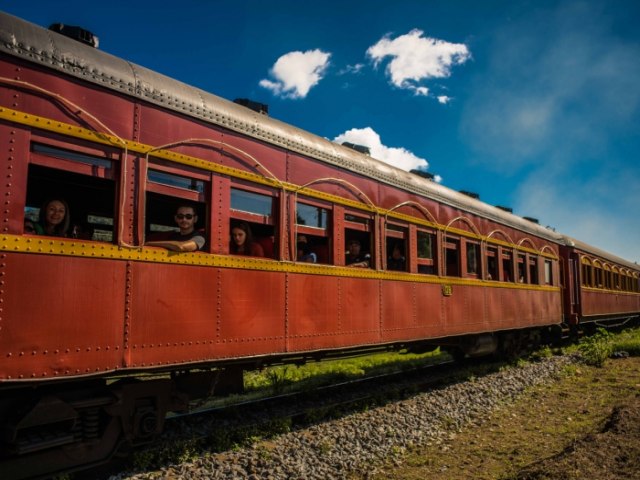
x=584, y=426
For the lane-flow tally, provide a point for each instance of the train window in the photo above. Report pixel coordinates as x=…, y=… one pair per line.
x=313, y=240
x=173, y=180
x=396, y=247
x=311, y=215
x=254, y=211
x=452, y=257
x=427, y=259
x=473, y=258
x=616, y=279
x=358, y=230
x=507, y=266
x=548, y=272
x=492, y=263
x=160, y=216
x=521, y=268
x=587, y=275
x=63, y=154
x=598, y=277
x=533, y=270
x=81, y=180
x=607, y=277
x=251, y=202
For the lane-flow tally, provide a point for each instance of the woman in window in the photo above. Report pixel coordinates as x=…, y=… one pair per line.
x=242, y=242
x=54, y=219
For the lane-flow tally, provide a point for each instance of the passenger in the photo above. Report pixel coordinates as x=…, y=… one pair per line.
x=355, y=257
x=396, y=261
x=188, y=239
x=305, y=254
x=54, y=219
x=242, y=241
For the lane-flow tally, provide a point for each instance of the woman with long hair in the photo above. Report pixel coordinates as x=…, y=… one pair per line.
x=54, y=218
x=242, y=242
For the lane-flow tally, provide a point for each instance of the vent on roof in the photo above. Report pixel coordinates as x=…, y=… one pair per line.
x=262, y=108
x=357, y=148
x=470, y=194
x=531, y=219
x=423, y=174
x=77, y=33
x=506, y=209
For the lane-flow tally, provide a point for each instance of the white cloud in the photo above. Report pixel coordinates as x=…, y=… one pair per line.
x=415, y=58
x=352, y=69
x=397, y=156
x=295, y=73
x=443, y=99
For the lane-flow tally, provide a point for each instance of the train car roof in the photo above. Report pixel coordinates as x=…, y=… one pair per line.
x=70, y=57
x=586, y=248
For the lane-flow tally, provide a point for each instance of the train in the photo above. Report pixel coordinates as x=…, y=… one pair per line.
x=103, y=332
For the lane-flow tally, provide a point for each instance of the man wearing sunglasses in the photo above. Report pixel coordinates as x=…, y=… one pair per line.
x=188, y=239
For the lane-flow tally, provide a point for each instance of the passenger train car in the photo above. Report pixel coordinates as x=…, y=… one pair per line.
x=101, y=335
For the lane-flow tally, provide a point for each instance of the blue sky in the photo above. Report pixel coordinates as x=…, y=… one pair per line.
x=533, y=105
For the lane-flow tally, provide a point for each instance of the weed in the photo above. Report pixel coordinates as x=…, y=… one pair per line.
x=596, y=348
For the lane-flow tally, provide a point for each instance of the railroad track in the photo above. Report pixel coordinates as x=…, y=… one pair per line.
x=221, y=427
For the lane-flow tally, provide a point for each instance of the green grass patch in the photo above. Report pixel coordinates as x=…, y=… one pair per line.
x=597, y=348
x=282, y=378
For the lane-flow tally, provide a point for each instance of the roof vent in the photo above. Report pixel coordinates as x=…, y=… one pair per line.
x=423, y=174
x=262, y=108
x=470, y=194
x=531, y=219
x=77, y=33
x=357, y=148
x=506, y=209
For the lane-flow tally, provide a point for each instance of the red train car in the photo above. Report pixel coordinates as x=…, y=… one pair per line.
x=602, y=289
x=122, y=148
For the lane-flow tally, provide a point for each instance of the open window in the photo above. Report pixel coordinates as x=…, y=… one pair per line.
x=396, y=242
x=507, y=265
x=548, y=272
x=427, y=252
x=473, y=259
x=168, y=188
x=84, y=179
x=256, y=208
x=358, y=229
x=533, y=270
x=521, y=271
x=492, y=263
x=313, y=242
x=452, y=257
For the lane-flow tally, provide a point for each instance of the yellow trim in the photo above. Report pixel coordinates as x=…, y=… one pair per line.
x=609, y=291
x=62, y=128
x=86, y=249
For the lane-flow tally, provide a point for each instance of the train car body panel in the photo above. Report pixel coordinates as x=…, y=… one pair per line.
x=62, y=312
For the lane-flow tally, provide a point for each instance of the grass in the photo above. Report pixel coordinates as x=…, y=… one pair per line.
x=283, y=378
x=543, y=422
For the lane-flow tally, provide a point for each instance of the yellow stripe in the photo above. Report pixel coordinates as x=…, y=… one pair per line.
x=78, y=248
x=140, y=148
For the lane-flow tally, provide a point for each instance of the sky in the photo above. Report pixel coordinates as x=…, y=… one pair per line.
x=533, y=105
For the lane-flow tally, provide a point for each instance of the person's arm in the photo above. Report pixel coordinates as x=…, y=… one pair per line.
x=363, y=264
x=175, y=245
x=194, y=244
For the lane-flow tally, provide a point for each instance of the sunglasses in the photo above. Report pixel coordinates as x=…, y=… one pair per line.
x=188, y=216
